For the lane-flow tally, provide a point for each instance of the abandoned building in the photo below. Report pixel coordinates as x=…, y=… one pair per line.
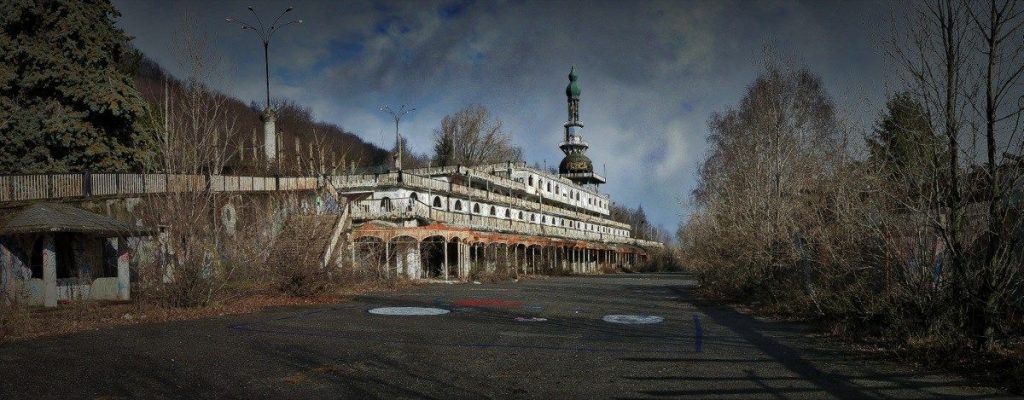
x=445, y=223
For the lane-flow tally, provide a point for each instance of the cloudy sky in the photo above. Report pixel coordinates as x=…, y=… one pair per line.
x=651, y=73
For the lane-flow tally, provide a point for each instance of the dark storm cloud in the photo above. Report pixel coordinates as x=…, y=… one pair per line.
x=651, y=72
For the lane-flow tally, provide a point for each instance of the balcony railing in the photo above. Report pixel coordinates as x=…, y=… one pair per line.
x=18, y=188
x=406, y=208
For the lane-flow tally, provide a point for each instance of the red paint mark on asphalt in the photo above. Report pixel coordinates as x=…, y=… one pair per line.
x=484, y=303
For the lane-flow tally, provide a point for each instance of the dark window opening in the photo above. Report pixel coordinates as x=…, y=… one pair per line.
x=109, y=258
x=36, y=260
x=65, y=256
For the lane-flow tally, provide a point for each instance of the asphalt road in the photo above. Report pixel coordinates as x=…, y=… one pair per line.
x=478, y=350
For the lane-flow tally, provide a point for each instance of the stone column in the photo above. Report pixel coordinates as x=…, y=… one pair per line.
x=124, y=285
x=49, y=272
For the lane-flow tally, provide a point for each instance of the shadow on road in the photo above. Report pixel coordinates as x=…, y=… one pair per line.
x=756, y=372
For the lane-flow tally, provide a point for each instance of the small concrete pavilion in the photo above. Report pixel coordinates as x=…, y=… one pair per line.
x=51, y=252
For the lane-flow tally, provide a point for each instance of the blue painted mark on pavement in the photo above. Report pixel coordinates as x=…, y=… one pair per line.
x=698, y=333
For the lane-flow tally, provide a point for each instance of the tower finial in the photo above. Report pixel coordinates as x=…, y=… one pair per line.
x=573, y=90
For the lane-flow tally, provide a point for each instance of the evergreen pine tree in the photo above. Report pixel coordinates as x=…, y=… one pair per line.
x=444, y=150
x=67, y=100
x=905, y=145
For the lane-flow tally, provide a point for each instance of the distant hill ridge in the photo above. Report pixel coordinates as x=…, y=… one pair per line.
x=321, y=143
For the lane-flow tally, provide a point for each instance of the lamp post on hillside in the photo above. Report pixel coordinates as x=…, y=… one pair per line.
x=265, y=33
x=397, y=115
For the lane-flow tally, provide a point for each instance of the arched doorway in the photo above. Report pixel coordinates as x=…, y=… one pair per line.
x=432, y=250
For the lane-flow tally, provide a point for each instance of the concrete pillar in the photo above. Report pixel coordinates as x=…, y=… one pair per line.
x=515, y=258
x=124, y=285
x=566, y=259
x=6, y=273
x=387, y=259
x=406, y=259
x=486, y=259
x=444, y=267
x=469, y=260
x=590, y=260
x=399, y=259
x=509, y=265
x=576, y=260
x=533, y=260
x=269, y=135
x=49, y=272
x=352, y=252
x=463, y=261
x=580, y=262
x=572, y=259
x=585, y=260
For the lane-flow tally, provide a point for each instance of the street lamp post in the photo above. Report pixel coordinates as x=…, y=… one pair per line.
x=397, y=115
x=265, y=33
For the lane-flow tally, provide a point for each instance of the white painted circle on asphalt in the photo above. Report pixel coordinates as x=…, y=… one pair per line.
x=408, y=311
x=531, y=319
x=633, y=319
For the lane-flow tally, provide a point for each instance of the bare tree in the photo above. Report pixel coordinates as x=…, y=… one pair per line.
x=200, y=255
x=1002, y=53
x=934, y=55
x=471, y=137
x=762, y=182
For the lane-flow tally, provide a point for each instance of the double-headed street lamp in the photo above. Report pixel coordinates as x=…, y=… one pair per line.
x=265, y=33
x=397, y=115
x=270, y=139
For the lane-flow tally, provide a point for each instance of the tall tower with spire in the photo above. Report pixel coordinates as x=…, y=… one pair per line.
x=576, y=166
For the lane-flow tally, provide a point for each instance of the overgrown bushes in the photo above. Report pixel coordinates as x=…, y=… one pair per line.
x=888, y=245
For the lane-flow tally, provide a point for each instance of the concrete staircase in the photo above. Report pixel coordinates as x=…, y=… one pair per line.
x=311, y=239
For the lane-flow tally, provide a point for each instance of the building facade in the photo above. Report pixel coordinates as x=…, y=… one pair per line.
x=459, y=222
